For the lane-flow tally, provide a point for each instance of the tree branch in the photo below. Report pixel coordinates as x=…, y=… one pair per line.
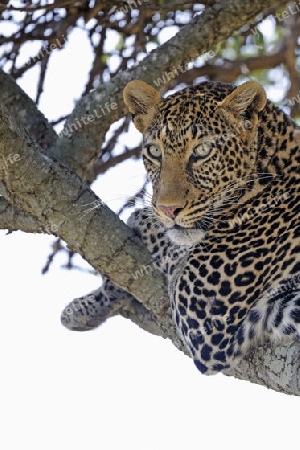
x=60, y=200
x=230, y=70
x=35, y=7
x=25, y=112
x=13, y=219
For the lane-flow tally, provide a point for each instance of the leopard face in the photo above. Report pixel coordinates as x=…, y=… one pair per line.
x=200, y=156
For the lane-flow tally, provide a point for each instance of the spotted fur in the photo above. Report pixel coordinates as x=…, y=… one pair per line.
x=224, y=222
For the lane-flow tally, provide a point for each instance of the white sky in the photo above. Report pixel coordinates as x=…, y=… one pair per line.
x=116, y=387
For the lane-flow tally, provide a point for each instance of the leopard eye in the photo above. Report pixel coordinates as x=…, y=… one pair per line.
x=153, y=151
x=202, y=150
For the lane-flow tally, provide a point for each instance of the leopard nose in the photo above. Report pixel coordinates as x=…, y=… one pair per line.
x=170, y=211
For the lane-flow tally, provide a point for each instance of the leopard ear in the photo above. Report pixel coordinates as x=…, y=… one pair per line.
x=142, y=101
x=241, y=107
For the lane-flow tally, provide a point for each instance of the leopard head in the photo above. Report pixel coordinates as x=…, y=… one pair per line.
x=199, y=150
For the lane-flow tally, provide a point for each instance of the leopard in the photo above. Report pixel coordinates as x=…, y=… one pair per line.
x=223, y=226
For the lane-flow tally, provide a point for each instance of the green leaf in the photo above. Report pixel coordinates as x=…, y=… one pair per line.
x=258, y=38
x=105, y=57
x=120, y=43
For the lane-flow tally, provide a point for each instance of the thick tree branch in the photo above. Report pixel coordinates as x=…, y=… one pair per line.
x=60, y=200
x=13, y=219
x=25, y=112
x=274, y=366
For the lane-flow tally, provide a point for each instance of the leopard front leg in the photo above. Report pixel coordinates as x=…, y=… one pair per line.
x=90, y=311
x=202, y=330
x=209, y=328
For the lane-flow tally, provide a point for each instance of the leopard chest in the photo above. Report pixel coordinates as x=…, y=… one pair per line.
x=229, y=271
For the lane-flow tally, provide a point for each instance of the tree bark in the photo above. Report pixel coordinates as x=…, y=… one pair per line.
x=44, y=192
